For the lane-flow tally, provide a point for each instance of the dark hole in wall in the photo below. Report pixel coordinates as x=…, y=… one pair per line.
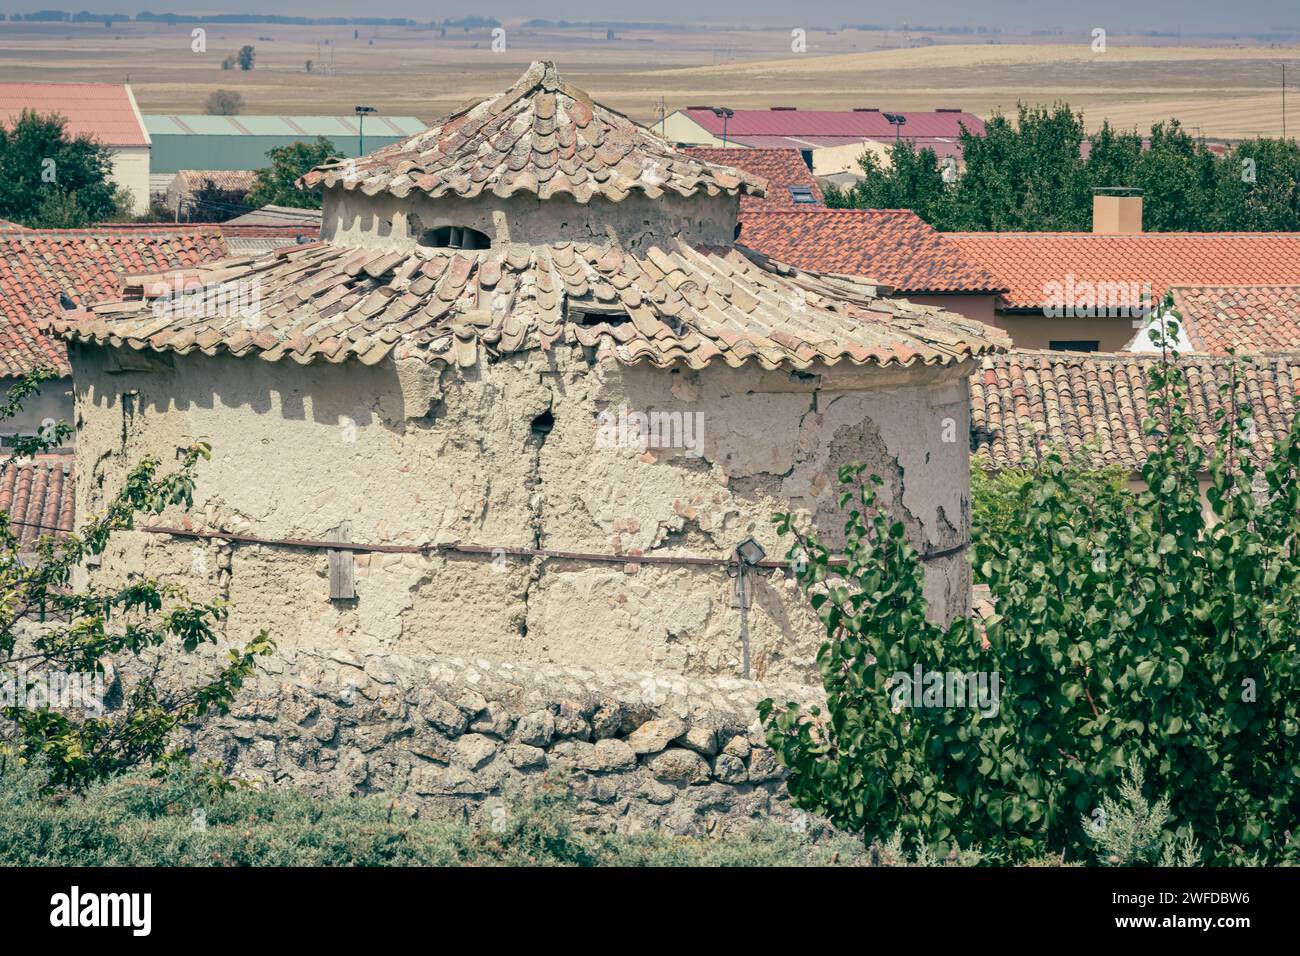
x=456, y=237
x=542, y=425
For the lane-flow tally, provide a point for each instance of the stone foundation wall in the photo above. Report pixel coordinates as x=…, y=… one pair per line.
x=450, y=736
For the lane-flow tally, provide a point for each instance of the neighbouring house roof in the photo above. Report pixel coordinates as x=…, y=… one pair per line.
x=1246, y=318
x=668, y=304
x=104, y=111
x=1029, y=264
x=293, y=127
x=895, y=247
x=662, y=300
x=781, y=168
x=87, y=265
x=37, y=494
x=227, y=180
x=541, y=136
x=1092, y=405
x=272, y=215
x=846, y=124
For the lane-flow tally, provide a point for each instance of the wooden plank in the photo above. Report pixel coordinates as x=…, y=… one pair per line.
x=342, y=566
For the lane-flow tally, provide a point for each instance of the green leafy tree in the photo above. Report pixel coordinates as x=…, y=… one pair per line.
x=996, y=496
x=1176, y=176
x=913, y=179
x=245, y=57
x=49, y=627
x=1159, y=634
x=49, y=179
x=277, y=184
x=1033, y=174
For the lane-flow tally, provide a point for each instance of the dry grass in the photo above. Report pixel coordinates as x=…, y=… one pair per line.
x=1226, y=91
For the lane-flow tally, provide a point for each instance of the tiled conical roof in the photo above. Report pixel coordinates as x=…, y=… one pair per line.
x=663, y=300
x=673, y=303
x=542, y=137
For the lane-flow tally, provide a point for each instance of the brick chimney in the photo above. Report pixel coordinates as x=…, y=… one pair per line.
x=1116, y=210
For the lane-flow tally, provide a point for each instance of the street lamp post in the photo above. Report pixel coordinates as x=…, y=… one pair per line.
x=361, y=128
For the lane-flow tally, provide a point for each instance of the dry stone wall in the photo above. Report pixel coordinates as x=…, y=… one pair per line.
x=456, y=737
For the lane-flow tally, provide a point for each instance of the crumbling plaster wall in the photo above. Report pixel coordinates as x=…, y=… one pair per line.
x=507, y=454
x=387, y=222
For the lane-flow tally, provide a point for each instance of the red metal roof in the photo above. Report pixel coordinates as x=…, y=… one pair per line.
x=1031, y=265
x=782, y=168
x=104, y=111
x=893, y=246
x=855, y=124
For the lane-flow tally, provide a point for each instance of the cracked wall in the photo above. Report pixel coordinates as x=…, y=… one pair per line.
x=510, y=454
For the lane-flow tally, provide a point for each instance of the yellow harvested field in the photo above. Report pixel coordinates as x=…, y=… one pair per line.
x=1223, y=91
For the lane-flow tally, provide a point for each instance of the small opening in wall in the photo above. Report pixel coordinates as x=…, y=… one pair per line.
x=542, y=425
x=455, y=237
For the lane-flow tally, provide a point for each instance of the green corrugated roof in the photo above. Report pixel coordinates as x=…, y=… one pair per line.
x=199, y=124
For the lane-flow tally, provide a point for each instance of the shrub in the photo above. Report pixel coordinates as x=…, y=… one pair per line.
x=1153, y=633
x=49, y=630
x=189, y=817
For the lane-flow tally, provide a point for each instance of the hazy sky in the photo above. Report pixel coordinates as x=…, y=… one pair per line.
x=1117, y=16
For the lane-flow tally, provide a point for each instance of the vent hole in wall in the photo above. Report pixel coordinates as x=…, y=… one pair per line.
x=455, y=237
x=542, y=425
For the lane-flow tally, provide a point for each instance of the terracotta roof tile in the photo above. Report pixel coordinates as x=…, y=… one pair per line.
x=678, y=303
x=1030, y=264
x=895, y=247
x=37, y=495
x=1245, y=318
x=1092, y=405
x=541, y=136
x=37, y=265
x=780, y=168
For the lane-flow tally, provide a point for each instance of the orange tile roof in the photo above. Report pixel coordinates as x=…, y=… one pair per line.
x=104, y=111
x=782, y=168
x=1246, y=318
x=541, y=136
x=662, y=304
x=1092, y=405
x=87, y=265
x=37, y=495
x=1029, y=264
x=893, y=246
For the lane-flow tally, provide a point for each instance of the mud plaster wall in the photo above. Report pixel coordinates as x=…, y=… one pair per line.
x=506, y=455
x=387, y=222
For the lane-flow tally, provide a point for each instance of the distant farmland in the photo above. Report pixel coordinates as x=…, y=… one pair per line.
x=1223, y=91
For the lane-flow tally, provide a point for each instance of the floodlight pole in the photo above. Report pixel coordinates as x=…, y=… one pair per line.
x=361, y=128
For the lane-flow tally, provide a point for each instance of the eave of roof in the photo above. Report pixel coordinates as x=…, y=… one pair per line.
x=668, y=304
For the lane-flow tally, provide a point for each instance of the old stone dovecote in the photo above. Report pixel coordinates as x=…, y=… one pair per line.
x=459, y=374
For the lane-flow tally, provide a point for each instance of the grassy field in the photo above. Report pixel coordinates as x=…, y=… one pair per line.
x=1225, y=90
